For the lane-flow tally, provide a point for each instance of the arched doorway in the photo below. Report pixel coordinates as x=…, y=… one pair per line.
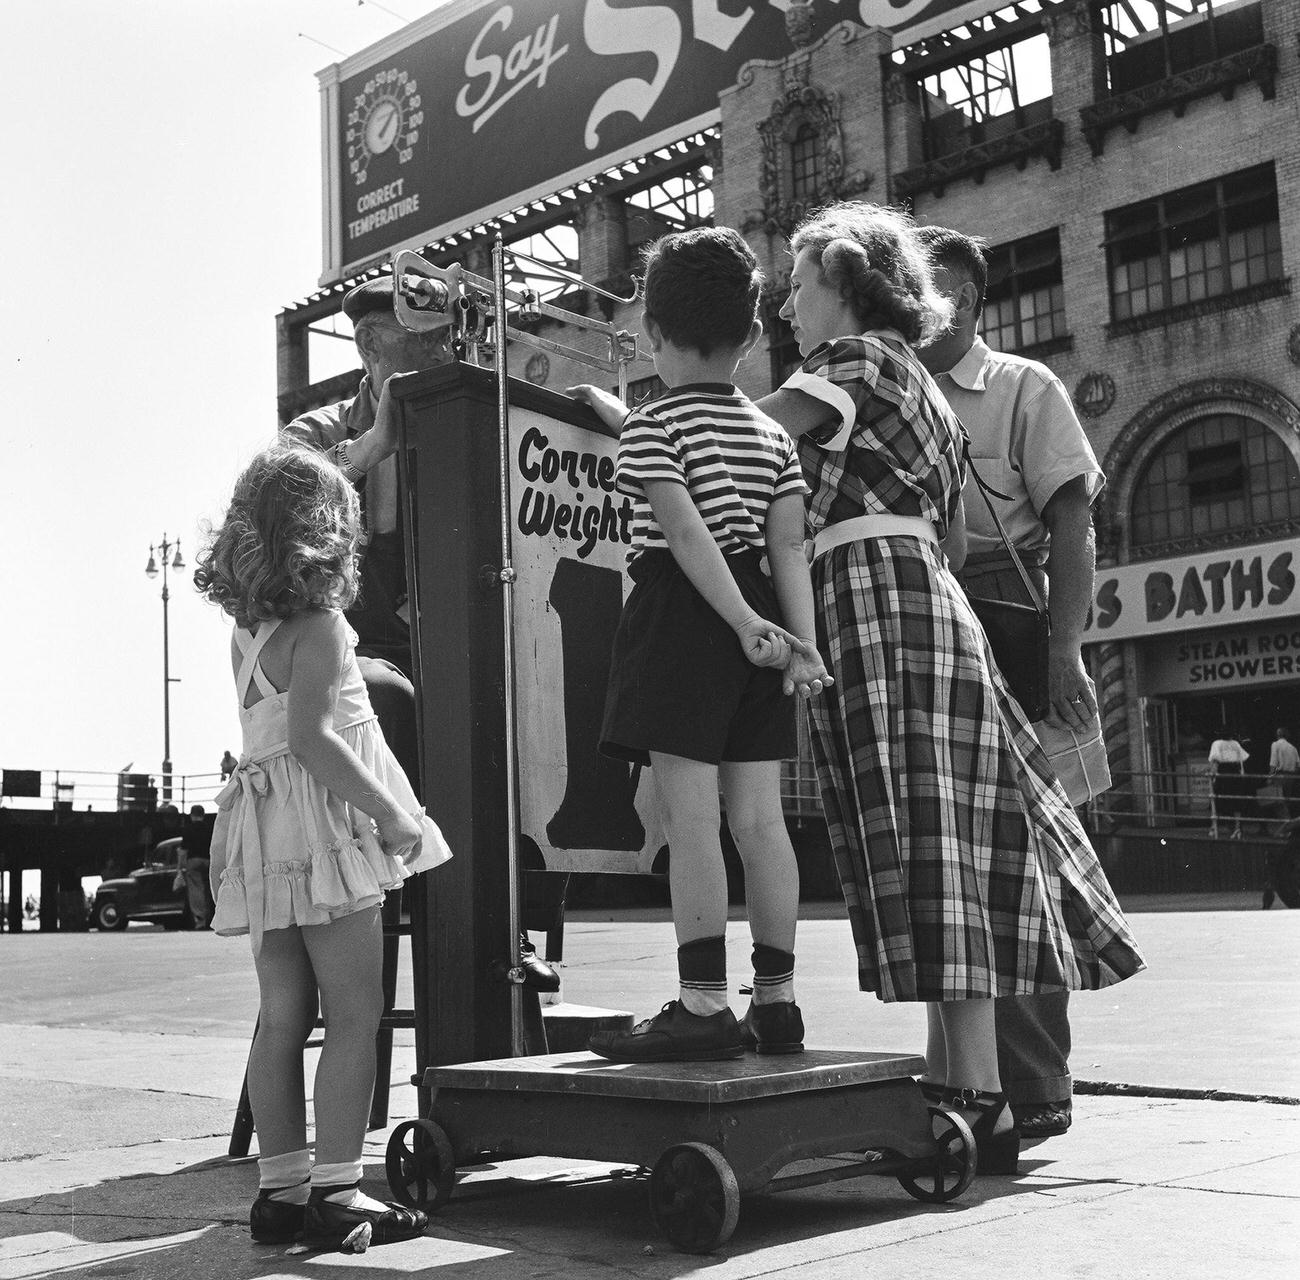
x=1201, y=525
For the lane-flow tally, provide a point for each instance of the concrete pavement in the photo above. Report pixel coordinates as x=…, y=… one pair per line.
x=121, y=1057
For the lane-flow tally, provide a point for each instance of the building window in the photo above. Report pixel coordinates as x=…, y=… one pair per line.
x=556, y=245
x=783, y=350
x=1151, y=40
x=1024, y=304
x=805, y=164
x=1201, y=242
x=1217, y=475
x=969, y=102
x=639, y=390
x=676, y=202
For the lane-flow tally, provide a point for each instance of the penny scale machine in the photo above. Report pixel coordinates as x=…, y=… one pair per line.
x=516, y=543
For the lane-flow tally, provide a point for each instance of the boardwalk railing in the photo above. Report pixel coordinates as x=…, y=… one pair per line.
x=1176, y=797
x=70, y=789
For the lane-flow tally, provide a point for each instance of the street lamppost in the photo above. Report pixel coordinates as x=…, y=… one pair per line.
x=165, y=549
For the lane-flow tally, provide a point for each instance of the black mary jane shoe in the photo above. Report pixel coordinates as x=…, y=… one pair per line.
x=327, y=1225
x=275, y=1221
x=998, y=1153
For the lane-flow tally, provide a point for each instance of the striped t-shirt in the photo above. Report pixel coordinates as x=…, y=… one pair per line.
x=732, y=458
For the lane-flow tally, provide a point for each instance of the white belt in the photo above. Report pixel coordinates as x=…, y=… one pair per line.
x=862, y=527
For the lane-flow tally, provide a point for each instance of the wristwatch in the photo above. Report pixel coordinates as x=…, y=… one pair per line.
x=344, y=458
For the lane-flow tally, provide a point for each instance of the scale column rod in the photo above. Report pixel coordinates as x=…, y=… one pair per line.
x=507, y=576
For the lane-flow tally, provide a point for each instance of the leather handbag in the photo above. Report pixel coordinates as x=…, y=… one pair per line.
x=1018, y=633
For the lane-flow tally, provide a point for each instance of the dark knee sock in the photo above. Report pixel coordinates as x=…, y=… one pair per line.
x=702, y=971
x=773, y=974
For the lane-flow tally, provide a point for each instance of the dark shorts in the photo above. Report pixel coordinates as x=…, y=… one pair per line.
x=679, y=682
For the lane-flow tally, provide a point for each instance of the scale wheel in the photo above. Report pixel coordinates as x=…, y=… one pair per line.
x=952, y=1169
x=694, y=1197
x=420, y=1165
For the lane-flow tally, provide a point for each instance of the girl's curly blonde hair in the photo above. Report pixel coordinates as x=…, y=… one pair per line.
x=873, y=256
x=288, y=542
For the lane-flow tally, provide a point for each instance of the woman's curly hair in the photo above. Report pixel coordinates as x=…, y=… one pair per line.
x=288, y=542
x=873, y=256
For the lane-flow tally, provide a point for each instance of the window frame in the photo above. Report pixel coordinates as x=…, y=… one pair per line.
x=1121, y=28
x=806, y=163
x=1020, y=249
x=1159, y=218
x=1164, y=514
x=986, y=73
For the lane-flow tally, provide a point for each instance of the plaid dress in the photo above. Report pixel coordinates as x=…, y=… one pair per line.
x=965, y=870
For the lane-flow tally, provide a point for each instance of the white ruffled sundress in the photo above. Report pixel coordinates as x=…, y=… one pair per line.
x=285, y=850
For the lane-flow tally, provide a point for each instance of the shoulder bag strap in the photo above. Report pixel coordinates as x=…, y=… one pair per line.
x=1035, y=597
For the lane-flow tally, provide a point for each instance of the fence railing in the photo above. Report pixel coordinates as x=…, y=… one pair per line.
x=1187, y=796
x=1258, y=805
x=1182, y=796
x=99, y=790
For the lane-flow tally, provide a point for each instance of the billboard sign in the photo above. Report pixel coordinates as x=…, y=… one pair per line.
x=482, y=106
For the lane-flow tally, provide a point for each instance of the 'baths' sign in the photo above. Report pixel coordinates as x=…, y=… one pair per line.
x=1192, y=593
x=481, y=106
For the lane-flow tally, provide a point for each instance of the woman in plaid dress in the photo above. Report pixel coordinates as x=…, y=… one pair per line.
x=966, y=873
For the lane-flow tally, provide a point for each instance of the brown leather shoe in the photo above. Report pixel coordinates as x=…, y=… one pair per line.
x=674, y=1034
x=773, y=1028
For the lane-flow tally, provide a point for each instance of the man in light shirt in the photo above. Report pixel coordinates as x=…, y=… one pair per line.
x=1027, y=443
x=1284, y=764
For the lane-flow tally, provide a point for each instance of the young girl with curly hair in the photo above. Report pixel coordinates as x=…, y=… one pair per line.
x=317, y=821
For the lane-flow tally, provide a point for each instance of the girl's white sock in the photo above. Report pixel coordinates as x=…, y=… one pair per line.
x=345, y=1174
x=285, y=1176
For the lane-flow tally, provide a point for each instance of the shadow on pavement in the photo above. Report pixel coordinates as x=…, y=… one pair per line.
x=192, y=1222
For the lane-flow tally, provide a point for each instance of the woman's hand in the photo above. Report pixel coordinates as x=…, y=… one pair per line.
x=806, y=674
x=400, y=836
x=609, y=408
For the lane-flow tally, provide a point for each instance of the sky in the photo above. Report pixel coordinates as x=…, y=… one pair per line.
x=160, y=203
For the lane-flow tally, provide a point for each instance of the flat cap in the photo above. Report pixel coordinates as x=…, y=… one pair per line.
x=374, y=295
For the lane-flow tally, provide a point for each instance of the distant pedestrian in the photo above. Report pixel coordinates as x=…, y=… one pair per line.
x=195, y=850
x=228, y=765
x=319, y=790
x=1227, y=783
x=1284, y=765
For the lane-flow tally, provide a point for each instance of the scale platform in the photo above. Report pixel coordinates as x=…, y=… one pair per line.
x=708, y=1131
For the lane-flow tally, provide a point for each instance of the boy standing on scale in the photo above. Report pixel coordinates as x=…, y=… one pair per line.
x=700, y=671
